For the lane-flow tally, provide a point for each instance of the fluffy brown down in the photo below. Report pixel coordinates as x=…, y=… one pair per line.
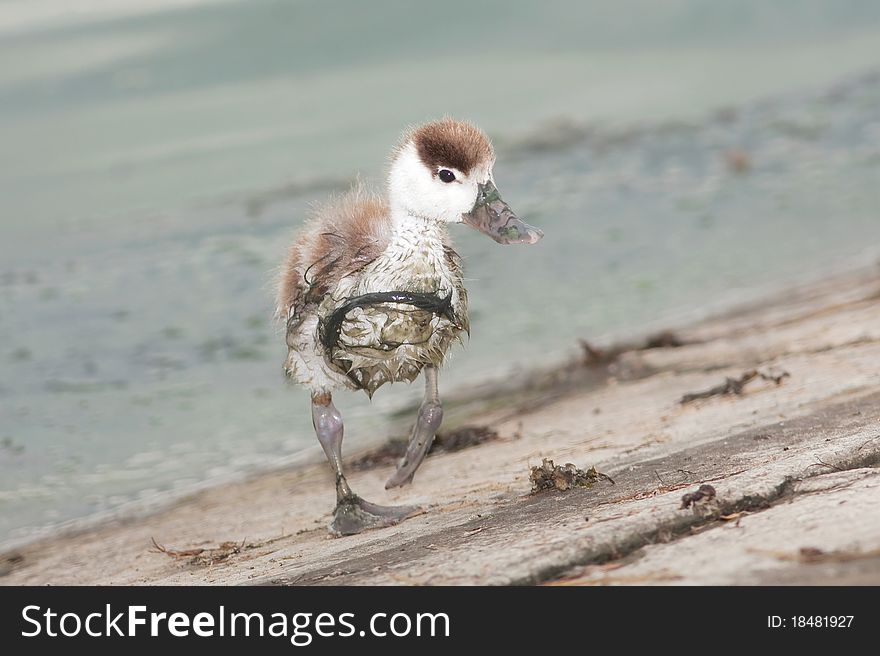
x=341, y=237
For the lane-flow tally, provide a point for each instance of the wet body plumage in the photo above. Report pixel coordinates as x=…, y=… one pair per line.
x=352, y=249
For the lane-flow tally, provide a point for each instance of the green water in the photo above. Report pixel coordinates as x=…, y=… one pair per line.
x=156, y=160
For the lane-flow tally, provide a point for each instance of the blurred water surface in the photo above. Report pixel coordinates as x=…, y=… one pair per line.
x=157, y=156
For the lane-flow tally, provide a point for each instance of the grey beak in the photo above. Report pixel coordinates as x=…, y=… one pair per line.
x=493, y=217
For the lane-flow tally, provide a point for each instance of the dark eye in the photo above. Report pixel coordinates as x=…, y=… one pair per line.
x=446, y=175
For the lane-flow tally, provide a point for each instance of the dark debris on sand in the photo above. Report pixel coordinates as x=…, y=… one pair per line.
x=734, y=386
x=813, y=555
x=9, y=562
x=596, y=357
x=548, y=476
x=456, y=440
x=704, y=493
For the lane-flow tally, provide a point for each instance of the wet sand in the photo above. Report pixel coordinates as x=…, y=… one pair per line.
x=791, y=461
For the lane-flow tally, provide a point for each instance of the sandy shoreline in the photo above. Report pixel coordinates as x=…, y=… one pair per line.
x=774, y=454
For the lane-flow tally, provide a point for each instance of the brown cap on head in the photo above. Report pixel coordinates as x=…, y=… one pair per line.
x=450, y=143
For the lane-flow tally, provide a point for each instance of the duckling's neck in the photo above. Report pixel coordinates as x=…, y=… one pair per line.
x=411, y=232
x=415, y=259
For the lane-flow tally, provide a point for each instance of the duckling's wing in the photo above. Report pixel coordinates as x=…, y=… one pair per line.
x=340, y=238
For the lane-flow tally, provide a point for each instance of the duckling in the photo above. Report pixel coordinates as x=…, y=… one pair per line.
x=372, y=292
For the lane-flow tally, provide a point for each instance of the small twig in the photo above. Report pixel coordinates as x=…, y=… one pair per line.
x=877, y=437
x=820, y=463
x=186, y=553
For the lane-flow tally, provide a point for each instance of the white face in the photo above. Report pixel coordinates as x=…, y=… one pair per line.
x=423, y=192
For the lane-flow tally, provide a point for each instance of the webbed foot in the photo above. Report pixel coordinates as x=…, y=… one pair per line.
x=354, y=515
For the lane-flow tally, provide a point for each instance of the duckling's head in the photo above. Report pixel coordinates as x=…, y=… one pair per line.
x=442, y=171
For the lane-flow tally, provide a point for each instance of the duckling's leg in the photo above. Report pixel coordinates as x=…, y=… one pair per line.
x=427, y=423
x=352, y=514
